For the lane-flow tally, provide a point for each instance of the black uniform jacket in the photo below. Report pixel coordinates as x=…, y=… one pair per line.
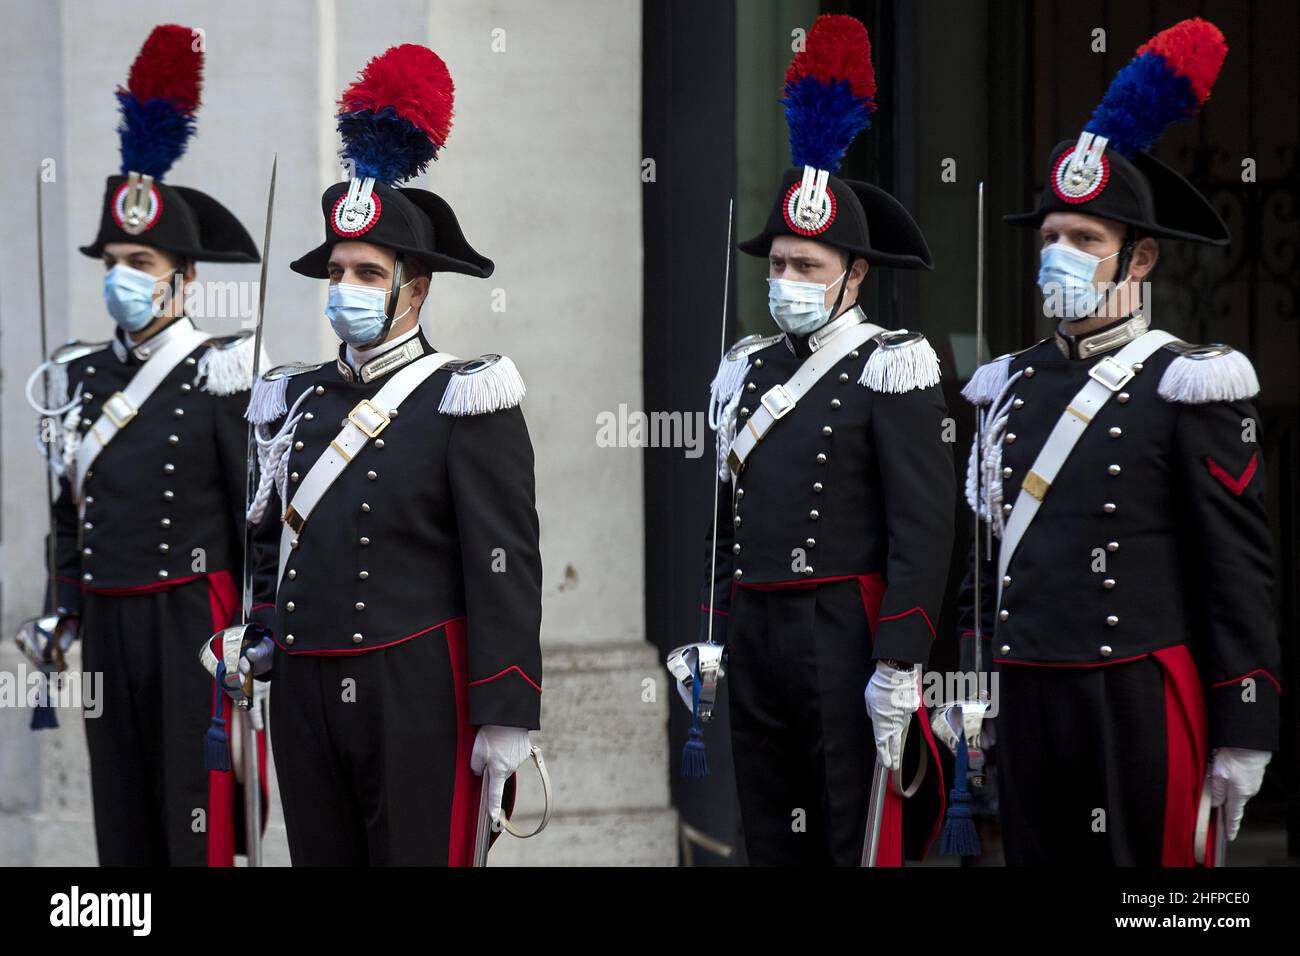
x=854, y=481
x=1154, y=533
x=432, y=520
x=164, y=500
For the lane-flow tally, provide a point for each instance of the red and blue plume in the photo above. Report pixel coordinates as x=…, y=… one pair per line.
x=830, y=92
x=1168, y=80
x=160, y=99
x=397, y=114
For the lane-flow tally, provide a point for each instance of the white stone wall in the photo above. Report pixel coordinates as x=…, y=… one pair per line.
x=542, y=169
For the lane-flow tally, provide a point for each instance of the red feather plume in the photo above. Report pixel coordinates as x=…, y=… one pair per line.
x=836, y=48
x=414, y=81
x=1192, y=48
x=169, y=66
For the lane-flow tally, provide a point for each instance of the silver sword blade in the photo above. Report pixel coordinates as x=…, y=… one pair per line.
x=250, y=445
x=875, y=813
x=483, y=828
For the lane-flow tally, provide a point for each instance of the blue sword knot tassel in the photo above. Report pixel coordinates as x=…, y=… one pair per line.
x=959, y=836
x=43, y=717
x=216, y=742
x=694, y=762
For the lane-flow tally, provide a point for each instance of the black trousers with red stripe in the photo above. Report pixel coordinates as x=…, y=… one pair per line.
x=1083, y=764
x=148, y=784
x=371, y=754
x=798, y=663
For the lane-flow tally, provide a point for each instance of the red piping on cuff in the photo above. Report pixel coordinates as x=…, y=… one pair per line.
x=894, y=617
x=513, y=667
x=705, y=607
x=1258, y=670
x=258, y=607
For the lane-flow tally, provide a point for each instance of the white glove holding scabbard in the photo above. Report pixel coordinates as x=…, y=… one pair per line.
x=501, y=750
x=1236, y=776
x=893, y=695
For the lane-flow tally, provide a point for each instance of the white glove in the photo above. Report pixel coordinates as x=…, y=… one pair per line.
x=68, y=634
x=257, y=658
x=892, y=697
x=501, y=750
x=1236, y=777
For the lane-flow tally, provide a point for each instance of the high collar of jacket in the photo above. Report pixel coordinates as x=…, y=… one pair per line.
x=137, y=353
x=362, y=366
x=1108, y=338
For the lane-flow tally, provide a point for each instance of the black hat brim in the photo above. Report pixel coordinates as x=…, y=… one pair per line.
x=192, y=225
x=1179, y=210
x=447, y=251
x=891, y=238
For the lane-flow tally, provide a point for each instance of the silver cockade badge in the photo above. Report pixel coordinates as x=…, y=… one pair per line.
x=1082, y=172
x=809, y=207
x=358, y=209
x=136, y=204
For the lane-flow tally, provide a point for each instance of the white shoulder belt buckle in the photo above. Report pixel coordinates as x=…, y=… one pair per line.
x=1111, y=373
x=369, y=418
x=119, y=409
x=778, y=401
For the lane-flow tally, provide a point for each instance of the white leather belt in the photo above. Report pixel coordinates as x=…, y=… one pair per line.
x=1107, y=377
x=120, y=408
x=370, y=417
x=779, y=400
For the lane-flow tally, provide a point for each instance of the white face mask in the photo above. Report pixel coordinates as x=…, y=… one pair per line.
x=1065, y=277
x=799, y=307
x=128, y=293
x=357, y=312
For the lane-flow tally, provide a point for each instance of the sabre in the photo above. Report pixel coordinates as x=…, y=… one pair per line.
x=717, y=472
x=248, y=736
x=51, y=560
x=41, y=638
x=702, y=662
x=483, y=829
x=981, y=691
x=882, y=781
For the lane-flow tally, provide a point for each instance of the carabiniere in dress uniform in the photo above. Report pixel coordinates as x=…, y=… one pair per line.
x=151, y=469
x=1129, y=592
x=398, y=583
x=834, y=521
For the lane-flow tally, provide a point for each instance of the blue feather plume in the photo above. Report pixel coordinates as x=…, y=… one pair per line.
x=824, y=118
x=1142, y=100
x=153, y=134
x=384, y=145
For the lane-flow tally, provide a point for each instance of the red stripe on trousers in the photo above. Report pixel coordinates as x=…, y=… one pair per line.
x=467, y=786
x=890, y=847
x=1187, y=750
x=223, y=602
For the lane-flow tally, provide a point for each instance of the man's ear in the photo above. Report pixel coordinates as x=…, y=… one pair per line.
x=1145, y=253
x=857, y=272
x=419, y=291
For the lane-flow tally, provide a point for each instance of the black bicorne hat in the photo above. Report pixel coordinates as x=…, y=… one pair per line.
x=175, y=219
x=394, y=118
x=1108, y=172
x=158, y=107
x=1142, y=192
x=829, y=97
x=413, y=222
x=857, y=217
